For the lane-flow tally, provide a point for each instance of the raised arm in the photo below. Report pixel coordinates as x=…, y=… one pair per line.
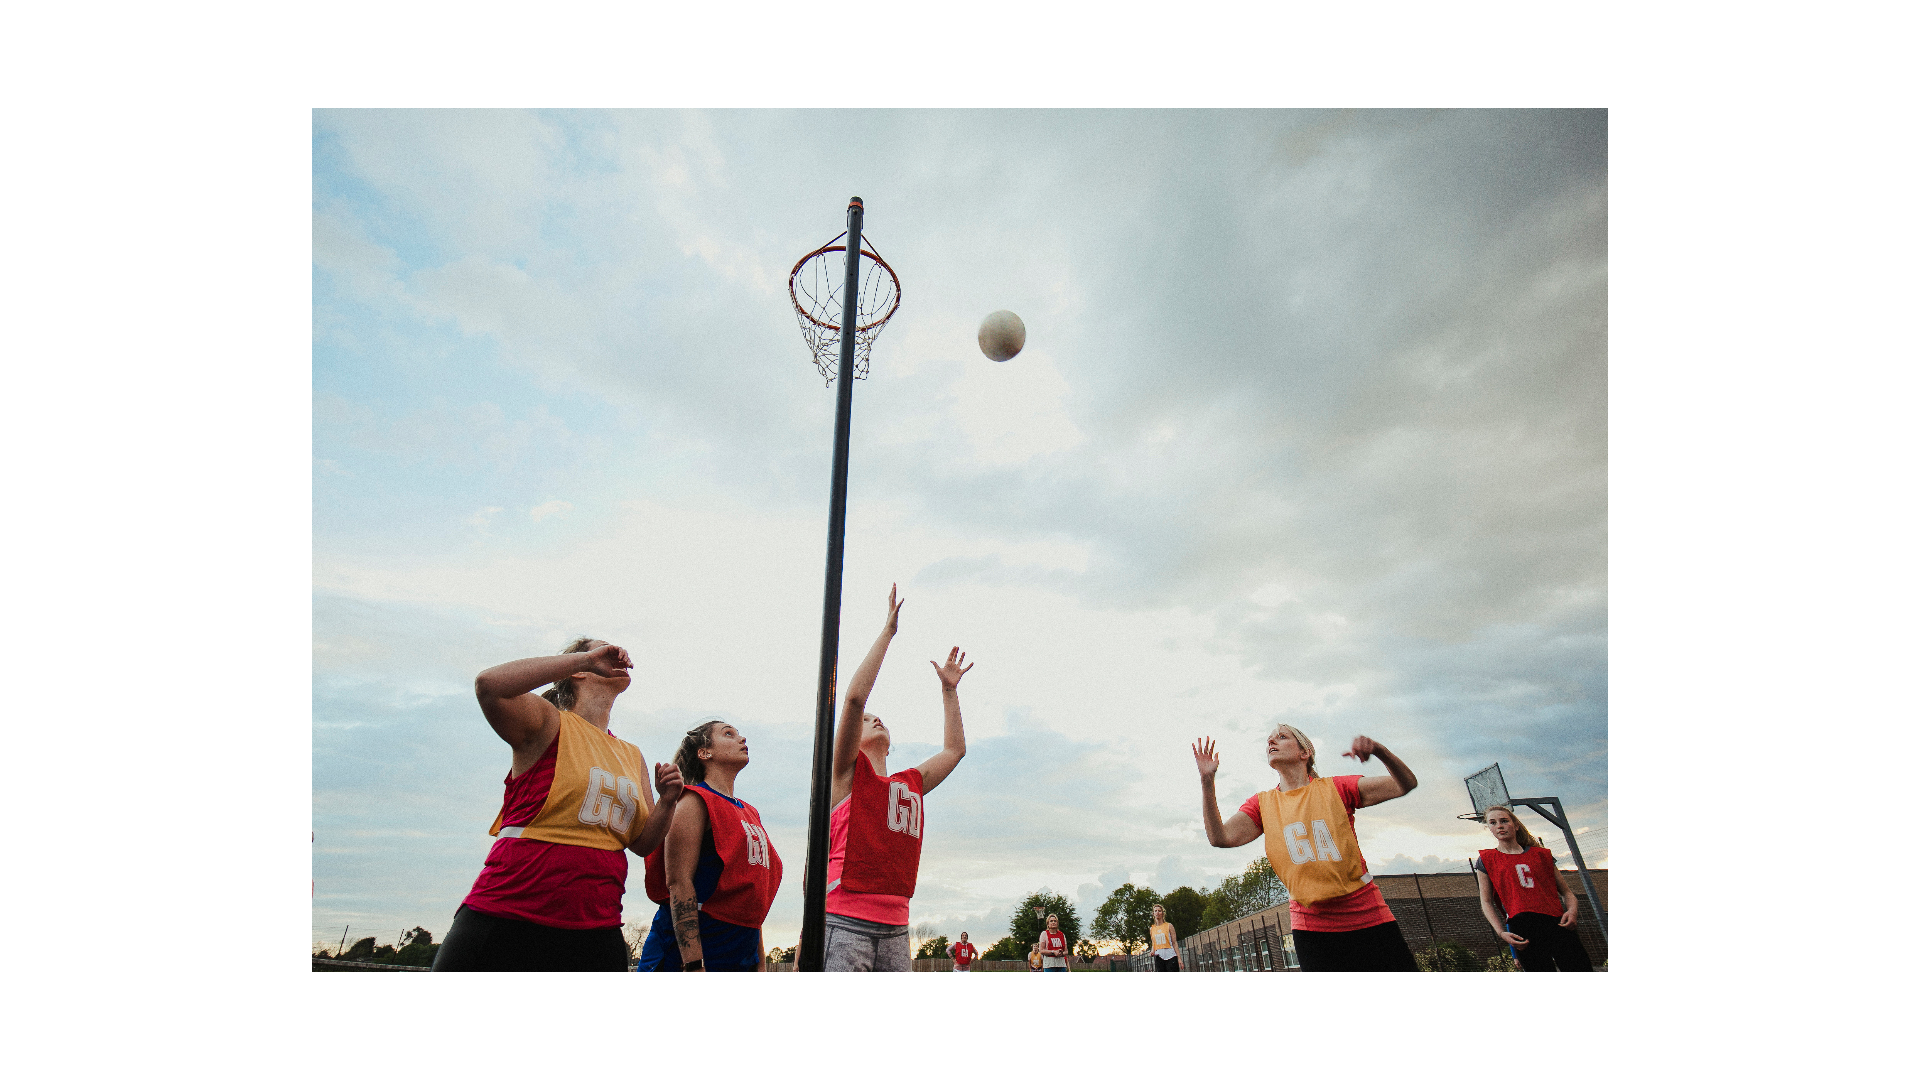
x=524, y=719
x=954, y=747
x=1241, y=829
x=1490, y=907
x=666, y=778
x=1378, y=789
x=846, y=738
x=684, y=838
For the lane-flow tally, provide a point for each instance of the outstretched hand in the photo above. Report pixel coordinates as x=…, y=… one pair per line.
x=666, y=781
x=950, y=674
x=608, y=661
x=1205, y=757
x=894, y=604
x=1363, y=748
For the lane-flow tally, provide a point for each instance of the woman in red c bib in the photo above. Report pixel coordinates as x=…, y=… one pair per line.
x=717, y=874
x=878, y=817
x=1340, y=920
x=1518, y=875
x=576, y=802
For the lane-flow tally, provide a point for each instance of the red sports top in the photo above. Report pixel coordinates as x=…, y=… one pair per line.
x=1357, y=910
x=883, y=831
x=560, y=885
x=749, y=867
x=1055, y=940
x=1524, y=882
x=963, y=952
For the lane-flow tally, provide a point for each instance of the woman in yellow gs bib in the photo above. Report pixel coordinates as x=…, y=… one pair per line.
x=1340, y=920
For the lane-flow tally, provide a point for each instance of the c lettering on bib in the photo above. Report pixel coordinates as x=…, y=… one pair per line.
x=600, y=808
x=1521, y=871
x=903, y=809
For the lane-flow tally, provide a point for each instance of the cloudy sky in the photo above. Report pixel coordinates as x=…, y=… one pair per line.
x=1310, y=425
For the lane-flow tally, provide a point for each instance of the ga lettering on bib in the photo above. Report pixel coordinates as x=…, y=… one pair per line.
x=1310, y=842
x=598, y=795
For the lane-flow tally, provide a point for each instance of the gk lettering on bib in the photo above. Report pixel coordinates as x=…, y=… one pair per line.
x=1310, y=842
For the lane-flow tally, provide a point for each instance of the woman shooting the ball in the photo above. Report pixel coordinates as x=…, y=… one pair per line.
x=1340, y=920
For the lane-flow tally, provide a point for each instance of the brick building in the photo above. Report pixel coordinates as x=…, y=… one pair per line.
x=1429, y=908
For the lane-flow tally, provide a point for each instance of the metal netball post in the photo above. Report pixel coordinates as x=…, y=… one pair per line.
x=840, y=335
x=1489, y=788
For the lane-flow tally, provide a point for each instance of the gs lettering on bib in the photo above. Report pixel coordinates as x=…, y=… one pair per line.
x=884, y=823
x=1310, y=842
x=598, y=795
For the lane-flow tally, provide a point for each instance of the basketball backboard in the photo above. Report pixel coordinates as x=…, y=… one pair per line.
x=1487, y=788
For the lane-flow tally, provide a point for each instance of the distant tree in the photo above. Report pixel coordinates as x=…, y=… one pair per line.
x=1184, y=907
x=1126, y=916
x=1006, y=948
x=934, y=948
x=1242, y=894
x=778, y=955
x=359, y=950
x=1086, y=948
x=636, y=937
x=1026, y=926
x=417, y=948
x=1446, y=956
x=1500, y=961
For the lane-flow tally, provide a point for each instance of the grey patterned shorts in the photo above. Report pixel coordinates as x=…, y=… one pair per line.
x=859, y=945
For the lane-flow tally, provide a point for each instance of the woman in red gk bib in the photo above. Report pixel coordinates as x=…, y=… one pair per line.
x=878, y=817
x=1517, y=874
x=1340, y=920
x=548, y=898
x=717, y=874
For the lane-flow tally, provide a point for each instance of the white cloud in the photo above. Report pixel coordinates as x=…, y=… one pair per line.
x=549, y=508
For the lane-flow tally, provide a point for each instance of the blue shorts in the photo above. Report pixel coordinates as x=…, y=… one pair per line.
x=725, y=947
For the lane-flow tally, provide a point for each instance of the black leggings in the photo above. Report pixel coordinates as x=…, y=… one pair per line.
x=1548, y=944
x=1376, y=948
x=480, y=942
x=1171, y=963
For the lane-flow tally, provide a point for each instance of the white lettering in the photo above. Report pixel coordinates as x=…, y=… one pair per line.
x=1323, y=839
x=903, y=809
x=1523, y=872
x=1295, y=834
x=628, y=794
x=597, y=807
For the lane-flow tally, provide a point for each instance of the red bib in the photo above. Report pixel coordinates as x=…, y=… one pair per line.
x=964, y=952
x=1524, y=882
x=750, y=869
x=883, y=831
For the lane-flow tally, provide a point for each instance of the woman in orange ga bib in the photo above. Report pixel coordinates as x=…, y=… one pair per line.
x=717, y=874
x=1163, y=941
x=1524, y=897
x=548, y=898
x=1340, y=920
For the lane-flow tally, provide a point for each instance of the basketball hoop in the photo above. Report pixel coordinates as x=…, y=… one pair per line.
x=815, y=286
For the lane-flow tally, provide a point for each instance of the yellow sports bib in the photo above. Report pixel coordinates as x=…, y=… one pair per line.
x=1163, y=936
x=597, y=798
x=1310, y=842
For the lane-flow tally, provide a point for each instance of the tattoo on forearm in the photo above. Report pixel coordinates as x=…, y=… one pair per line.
x=686, y=925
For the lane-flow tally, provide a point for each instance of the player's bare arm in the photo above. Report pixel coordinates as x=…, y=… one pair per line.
x=666, y=779
x=846, y=739
x=1234, y=833
x=523, y=719
x=1568, y=897
x=684, y=838
x=954, y=745
x=1378, y=789
x=1490, y=907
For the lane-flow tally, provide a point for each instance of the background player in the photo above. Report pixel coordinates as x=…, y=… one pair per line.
x=548, y=898
x=878, y=817
x=963, y=952
x=717, y=873
x=1052, y=946
x=1166, y=950
x=1340, y=920
x=1518, y=874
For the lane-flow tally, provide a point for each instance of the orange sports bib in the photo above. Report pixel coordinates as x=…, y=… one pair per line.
x=1163, y=936
x=598, y=797
x=1310, y=842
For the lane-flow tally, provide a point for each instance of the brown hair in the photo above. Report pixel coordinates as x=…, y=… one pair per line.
x=564, y=692
x=1305, y=744
x=687, y=758
x=1520, y=834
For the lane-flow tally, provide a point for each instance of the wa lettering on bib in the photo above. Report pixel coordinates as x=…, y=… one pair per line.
x=1310, y=842
x=598, y=796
